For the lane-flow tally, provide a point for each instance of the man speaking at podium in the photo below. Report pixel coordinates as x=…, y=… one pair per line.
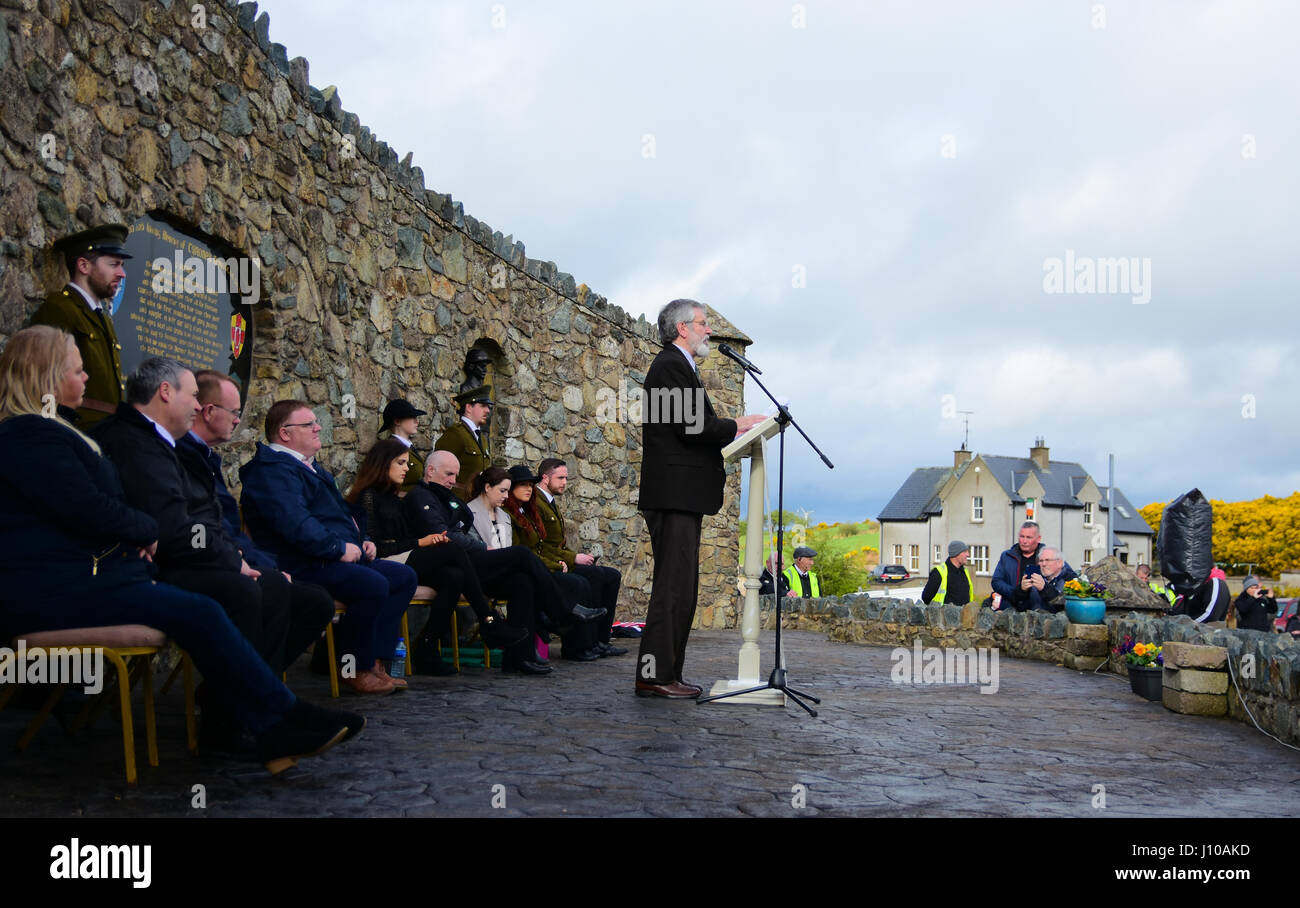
x=681, y=480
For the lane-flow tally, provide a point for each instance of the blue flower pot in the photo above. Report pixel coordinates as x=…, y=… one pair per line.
x=1085, y=611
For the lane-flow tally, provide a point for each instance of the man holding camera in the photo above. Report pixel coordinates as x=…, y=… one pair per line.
x=1256, y=606
x=1018, y=578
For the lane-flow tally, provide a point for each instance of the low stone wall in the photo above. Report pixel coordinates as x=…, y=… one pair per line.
x=1265, y=667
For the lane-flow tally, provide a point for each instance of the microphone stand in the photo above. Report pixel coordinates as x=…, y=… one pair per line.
x=777, y=679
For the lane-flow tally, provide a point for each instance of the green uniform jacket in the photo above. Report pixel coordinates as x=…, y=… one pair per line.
x=551, y=549
x=526, y=534
x=474, y=459
x=101, y=354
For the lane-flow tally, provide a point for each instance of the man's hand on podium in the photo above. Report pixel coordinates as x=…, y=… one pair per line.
x=745, y=423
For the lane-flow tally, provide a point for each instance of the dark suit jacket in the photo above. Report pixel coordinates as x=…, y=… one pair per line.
x=61, y=509
x=257, y=559
x=173, y=486
x=101, y=354
x=682, y=440
x=295, y=513
x=433, y=509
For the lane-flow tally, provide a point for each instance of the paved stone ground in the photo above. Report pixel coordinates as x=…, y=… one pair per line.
x=578, y=743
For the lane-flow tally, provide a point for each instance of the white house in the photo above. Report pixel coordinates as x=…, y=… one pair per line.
x=982, y=499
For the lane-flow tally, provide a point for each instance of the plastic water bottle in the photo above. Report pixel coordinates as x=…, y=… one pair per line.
x=399, y=660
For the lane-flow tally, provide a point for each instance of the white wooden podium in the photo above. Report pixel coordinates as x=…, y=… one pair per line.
x=752, y=445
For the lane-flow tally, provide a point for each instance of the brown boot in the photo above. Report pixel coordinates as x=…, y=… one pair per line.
x=368, y=682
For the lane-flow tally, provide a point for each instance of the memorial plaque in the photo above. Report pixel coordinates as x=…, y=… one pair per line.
x=188, y=297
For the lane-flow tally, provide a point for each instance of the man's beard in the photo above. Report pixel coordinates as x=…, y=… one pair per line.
x=104, y=291
x=701, y=349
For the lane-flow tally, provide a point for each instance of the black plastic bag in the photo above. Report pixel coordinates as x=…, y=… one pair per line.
x=1185, y=544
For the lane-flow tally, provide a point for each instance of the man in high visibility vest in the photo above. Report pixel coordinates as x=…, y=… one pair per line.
x=950, y=583
x=1144, y=574
x=800, y=581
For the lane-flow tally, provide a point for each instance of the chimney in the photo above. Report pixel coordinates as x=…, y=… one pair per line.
x=1038, y=454
x=960, y=456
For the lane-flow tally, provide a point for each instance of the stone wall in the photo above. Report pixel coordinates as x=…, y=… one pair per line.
x=373, y=286
x=1265, y=667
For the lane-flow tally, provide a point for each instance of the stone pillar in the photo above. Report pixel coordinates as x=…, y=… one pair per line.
x=1195, y=679
x=1086, y=646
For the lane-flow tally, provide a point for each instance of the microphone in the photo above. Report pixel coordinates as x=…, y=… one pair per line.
x=726, y=351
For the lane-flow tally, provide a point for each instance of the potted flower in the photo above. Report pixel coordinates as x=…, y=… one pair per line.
x=1085, y=602
x=1145, y=667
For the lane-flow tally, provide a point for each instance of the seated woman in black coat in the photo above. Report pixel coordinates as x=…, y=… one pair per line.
x=76, y=555
x=444, y=567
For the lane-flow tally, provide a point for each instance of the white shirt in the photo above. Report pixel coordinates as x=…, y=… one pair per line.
x=163, y=433
x=296, y=455
x=686, y=353
x=95, y=305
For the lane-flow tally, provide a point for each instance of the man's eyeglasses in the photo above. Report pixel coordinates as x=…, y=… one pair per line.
x=297, y=425
x=236, y=412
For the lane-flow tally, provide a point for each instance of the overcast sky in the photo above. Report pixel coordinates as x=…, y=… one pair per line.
x=918, y=166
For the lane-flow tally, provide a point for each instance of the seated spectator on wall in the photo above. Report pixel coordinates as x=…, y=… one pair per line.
x=1143, y=574
x=950, y=583
x=514, y=572
x=1050, y=584
x=294, y=509
x=311, y=607
x=1256, y=606
x=436, y=561
x=1016, y=566
x=77, y=555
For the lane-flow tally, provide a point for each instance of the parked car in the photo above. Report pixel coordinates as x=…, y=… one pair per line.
x=890, y=573
x=1285, y=609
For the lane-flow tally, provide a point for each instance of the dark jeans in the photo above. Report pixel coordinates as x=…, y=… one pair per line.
x=235, y=673
x=605, y=583
x=377, y=594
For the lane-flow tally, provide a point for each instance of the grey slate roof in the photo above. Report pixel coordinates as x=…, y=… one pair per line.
x=918, y=497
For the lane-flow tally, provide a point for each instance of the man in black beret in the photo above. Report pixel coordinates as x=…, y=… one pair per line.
x=94, y=258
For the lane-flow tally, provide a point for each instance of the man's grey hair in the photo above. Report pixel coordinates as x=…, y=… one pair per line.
x=1048, y=552
x=149, y=376
x=682, y=310
x=1031, y=525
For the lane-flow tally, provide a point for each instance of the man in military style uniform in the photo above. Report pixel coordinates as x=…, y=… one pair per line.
x=401, y=422
x=552, y=480
x=94, y=258
x=468, y=438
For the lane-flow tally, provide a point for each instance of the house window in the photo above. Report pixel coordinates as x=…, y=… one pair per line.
x=1123, y=557
x=1087, y=557
x=915, y=556
x=898, y=554
x=979, y=558
x=938, y=555
x=1087, y=513
x=977, y=509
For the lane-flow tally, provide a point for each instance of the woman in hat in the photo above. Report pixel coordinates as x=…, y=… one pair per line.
x=401, y=421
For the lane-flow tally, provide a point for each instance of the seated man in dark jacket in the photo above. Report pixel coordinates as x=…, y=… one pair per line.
x=1256, y=606
x=175, y=488
x=1050, y=584
x=294, y=509
x=513, y=572
x=311, y=607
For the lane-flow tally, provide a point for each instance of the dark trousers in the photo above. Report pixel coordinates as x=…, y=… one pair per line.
x=447, y=569
x=235, y=673
x=675, y=543
x=377, y=594
x=259, y=608
x=605, y=583
x=311, y=609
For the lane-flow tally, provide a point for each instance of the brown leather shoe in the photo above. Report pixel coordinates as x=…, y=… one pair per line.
x=367, y=682
x=398, y=683
x=672, y=690
x=684, y=683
